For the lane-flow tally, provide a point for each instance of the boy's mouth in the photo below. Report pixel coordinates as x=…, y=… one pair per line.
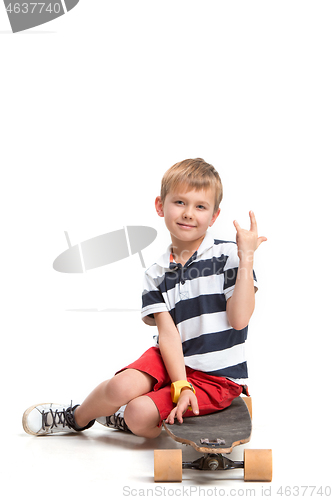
x=185, y=226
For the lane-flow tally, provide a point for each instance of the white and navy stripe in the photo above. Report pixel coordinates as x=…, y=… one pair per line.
x=196, y=295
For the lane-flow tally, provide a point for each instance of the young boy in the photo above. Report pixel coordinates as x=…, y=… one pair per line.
x=200, y=294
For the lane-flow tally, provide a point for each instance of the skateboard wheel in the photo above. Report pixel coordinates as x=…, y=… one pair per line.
x=258, y=465
x=168, y=465
x=248, y=401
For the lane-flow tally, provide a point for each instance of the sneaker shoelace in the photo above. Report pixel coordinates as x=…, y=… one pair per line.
x=117, y=422
x=64, y=418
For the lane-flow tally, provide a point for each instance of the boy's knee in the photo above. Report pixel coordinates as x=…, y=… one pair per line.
x=142, y=417
x=119, y=389
x=128, y=385
x=135, y=414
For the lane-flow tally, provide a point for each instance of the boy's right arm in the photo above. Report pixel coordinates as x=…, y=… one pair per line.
x=172, y=353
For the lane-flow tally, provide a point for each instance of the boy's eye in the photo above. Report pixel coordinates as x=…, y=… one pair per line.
x=179, y=202
x=201, y=207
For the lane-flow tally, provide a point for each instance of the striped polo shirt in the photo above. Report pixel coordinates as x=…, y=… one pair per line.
x=196, y=296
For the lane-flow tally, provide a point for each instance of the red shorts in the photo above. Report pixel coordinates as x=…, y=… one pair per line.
x=213, y=393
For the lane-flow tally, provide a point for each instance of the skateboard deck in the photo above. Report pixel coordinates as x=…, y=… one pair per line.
x=217, y=432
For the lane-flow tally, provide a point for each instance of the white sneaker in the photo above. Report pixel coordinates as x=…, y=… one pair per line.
x=115, y=421
x=49, y=418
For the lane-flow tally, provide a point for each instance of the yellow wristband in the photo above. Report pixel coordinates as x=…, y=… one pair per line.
x=176, y=388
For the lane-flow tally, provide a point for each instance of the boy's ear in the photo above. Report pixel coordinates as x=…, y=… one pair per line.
x=215, y=216
x=159, y=206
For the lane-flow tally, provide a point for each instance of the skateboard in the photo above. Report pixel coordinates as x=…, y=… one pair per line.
x=214, y=435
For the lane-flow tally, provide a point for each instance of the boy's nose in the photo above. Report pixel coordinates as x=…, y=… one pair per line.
x=187, y=214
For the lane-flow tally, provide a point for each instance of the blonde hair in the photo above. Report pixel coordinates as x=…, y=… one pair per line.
x=192, y=174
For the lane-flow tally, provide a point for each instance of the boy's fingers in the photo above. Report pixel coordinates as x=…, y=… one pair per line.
x=261, y=240
x=195, y=405
x=237, y=226
x=195, y=409
x=171, y=417
x=179, y=414
x=253, y=222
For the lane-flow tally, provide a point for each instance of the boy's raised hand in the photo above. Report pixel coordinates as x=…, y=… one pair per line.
x=248, y=241
x=187, y=398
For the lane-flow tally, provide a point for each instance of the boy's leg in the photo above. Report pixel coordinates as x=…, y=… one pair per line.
x=110, y=395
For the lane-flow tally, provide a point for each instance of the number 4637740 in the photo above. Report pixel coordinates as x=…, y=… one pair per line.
x=33, y=7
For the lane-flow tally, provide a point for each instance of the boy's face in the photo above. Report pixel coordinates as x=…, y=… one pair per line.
x=188, y=214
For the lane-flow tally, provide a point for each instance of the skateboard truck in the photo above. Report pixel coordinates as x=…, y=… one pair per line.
x=213, y=461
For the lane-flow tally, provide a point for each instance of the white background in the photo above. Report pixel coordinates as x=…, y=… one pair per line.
x=95, y=106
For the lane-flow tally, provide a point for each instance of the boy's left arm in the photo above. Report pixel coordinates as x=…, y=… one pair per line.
x=240, y=305
x=172, y=354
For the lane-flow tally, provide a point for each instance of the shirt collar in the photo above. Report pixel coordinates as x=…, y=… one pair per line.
x=164, y=260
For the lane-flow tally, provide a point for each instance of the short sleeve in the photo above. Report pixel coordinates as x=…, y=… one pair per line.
x=230, y=272
x=152, y=301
